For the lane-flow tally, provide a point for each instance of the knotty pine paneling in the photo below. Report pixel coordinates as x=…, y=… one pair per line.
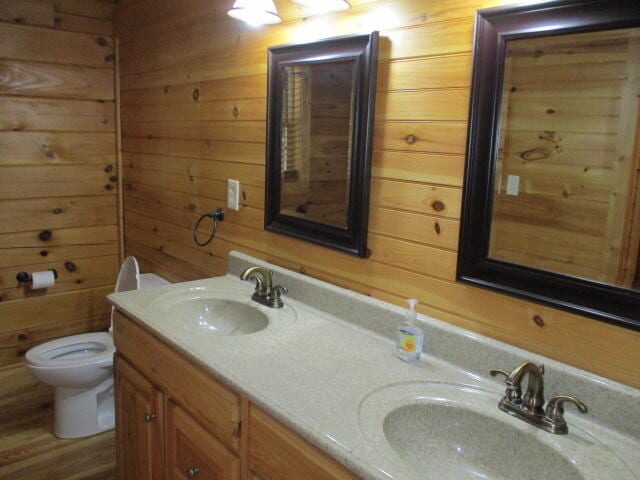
x=193, y=104
x=58, y=209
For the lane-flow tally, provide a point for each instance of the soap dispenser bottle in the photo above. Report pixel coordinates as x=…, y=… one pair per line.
x=410, y=338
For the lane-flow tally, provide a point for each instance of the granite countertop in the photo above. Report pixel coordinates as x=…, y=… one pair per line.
x=315, y=372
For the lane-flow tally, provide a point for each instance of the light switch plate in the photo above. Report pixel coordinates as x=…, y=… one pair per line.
x=513, y=185
x=233, y=194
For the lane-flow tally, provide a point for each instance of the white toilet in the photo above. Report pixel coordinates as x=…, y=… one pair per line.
x=80, y=367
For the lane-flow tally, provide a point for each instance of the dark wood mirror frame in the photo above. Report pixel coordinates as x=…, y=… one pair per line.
x=494, y=27
x=363, y=50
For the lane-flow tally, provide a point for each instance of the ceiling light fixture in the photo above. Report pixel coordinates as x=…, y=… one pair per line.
x=322, y=6
x=255, y=12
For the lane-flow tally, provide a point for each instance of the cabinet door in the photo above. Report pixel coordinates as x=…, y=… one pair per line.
x=193, y=453
x=277, y=453
x=138, y=425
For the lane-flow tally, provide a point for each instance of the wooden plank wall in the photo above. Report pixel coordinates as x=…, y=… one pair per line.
x=193, y=106
x=58, y=204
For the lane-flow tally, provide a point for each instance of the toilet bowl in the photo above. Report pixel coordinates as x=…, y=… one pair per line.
x=80, y=367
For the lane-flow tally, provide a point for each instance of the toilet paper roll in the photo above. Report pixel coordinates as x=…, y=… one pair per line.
x=43, y=280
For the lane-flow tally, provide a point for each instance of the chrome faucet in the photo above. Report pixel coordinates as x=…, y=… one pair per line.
x=530, y=406
x=265, y=293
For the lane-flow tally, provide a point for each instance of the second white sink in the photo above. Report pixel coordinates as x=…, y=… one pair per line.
x=458, y=432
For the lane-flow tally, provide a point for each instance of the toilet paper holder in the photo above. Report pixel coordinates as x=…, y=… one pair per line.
x=25, y=277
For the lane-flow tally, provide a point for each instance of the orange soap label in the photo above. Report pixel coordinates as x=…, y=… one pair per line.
x=407, y=342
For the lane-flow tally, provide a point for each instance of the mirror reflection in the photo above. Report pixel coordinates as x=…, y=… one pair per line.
x=566, y=193
x=316, y=130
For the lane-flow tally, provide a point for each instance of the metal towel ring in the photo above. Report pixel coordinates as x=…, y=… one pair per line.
x=215, y=216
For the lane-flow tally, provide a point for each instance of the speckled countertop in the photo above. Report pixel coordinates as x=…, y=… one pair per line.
x=318, y=369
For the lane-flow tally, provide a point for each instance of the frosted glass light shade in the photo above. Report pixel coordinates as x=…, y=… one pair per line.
x=255, y=12
x=324, y=5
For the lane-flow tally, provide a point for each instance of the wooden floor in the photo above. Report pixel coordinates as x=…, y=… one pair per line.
x=28, y=448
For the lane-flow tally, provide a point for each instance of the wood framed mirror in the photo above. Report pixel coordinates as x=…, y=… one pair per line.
x=551, y=207
x=321, y=99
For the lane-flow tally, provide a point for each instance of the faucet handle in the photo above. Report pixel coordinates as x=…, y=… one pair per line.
x=513, y=393
x=495, y=373
x=276, y=296
x=555, y=409
x=554, y=413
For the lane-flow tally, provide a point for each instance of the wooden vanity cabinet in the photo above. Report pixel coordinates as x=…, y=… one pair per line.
x=175, y=421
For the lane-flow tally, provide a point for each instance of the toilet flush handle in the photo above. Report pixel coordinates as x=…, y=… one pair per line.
x=149, y=417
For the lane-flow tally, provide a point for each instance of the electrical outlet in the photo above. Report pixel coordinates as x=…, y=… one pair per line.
x=513, y=185
x=233, y=194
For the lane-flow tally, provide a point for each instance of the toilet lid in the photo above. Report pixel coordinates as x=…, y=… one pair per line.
x=129, y=276
x=128, y=279
x=83, y=349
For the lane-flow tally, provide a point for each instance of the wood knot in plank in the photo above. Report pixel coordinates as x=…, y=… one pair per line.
x=70, y=266
x=45, y=235
x=538, y=320
x=44, y=253
x=535, y=154
x=108, y=168
x=438, y=206
x=235, y=111
x=410, y=139
x=196, y=94
x=56, y=211
x=436, y=227
x=549, y=136
x=102, y=41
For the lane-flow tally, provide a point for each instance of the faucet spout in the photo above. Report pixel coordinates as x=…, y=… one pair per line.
x=533, y=399
x=266, y=293
x=253, y=272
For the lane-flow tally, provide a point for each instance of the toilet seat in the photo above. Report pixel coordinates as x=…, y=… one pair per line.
x=77, y=350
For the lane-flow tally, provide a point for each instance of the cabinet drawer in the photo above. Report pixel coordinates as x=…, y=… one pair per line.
x=276, y=453
x=192, y=453
x=215, y=406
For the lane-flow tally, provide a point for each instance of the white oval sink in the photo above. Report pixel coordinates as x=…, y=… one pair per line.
x=448, y=431
x=463, y=444
x=218, y=316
